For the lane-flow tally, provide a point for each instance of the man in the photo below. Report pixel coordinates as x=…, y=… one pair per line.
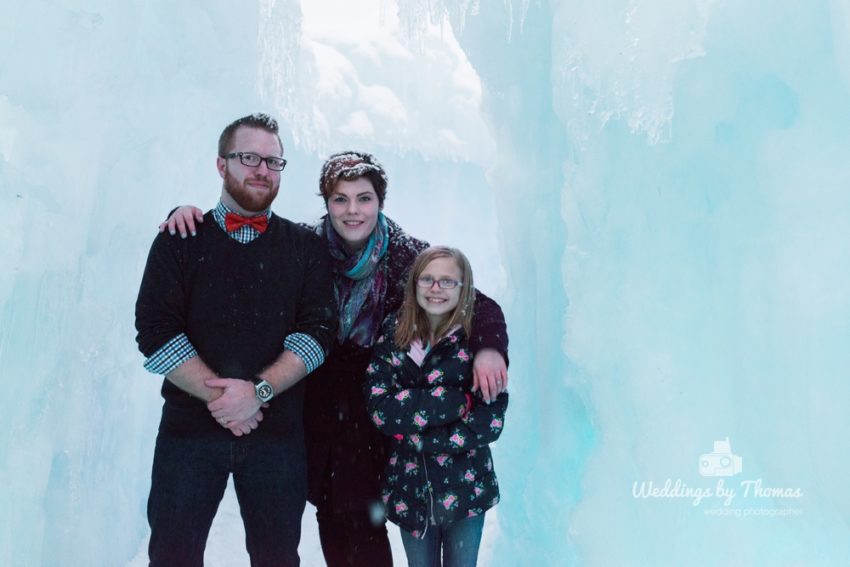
x=234, y=319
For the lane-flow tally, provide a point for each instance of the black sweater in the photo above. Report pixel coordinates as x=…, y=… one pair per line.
x=236, y=303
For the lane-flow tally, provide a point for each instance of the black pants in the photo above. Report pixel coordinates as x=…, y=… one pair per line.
x=188, y=481
x=352, y=539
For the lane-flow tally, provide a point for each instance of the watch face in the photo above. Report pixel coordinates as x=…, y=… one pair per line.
x=265, y=392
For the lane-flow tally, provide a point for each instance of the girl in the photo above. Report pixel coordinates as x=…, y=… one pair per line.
x=439, y=480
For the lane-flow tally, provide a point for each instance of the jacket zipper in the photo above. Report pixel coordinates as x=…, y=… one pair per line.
x=430, y=498
x=424, y=465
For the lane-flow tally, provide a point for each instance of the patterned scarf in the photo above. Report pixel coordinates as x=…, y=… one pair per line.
x=360, y=281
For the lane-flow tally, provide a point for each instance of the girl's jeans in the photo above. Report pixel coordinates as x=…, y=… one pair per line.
x=458, y=542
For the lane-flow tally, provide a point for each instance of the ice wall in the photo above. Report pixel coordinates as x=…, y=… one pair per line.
x=108, y=112
x=671, y=189
x=655, y=191
x=109, y=116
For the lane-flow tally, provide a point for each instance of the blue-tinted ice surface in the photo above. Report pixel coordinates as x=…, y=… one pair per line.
x=656, y=194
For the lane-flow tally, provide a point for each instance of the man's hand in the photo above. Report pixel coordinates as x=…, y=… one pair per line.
x=183, y=221
x=237, y=404
x=489, y=374
x=245, y=427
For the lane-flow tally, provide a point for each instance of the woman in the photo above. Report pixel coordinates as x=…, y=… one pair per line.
x=372, y=258
x=439, y=479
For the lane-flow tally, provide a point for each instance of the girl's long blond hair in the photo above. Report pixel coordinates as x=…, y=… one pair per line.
x=413, y=323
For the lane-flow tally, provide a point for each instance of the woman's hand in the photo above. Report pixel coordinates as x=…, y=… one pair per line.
x=489, y=373
x=183, y=221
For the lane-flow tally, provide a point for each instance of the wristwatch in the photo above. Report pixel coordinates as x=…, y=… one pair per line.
x=263, y=389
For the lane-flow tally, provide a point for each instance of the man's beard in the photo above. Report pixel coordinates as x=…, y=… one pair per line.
x=246, y=197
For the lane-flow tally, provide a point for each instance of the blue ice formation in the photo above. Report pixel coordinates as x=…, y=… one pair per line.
x=656, y=192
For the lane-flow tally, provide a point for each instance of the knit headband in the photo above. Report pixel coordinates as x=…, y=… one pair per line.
x=349, y=165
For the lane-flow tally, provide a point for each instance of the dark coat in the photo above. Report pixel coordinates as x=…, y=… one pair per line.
x=439, y=465
x=346, y=455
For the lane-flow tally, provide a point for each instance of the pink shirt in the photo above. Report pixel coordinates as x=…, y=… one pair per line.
x=419, y=351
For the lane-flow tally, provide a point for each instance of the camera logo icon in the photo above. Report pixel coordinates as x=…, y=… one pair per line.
x=721, y=462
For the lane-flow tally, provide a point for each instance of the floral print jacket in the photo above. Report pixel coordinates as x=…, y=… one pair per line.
x=440, y=469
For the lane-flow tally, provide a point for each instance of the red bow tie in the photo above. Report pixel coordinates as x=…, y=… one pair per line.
x=232, y=222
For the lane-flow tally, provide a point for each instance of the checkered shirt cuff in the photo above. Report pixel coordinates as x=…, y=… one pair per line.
x=171, y=355
x=307, y=349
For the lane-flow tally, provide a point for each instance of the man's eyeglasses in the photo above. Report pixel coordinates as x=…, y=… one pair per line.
x=253, y=160
x=427, y=282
